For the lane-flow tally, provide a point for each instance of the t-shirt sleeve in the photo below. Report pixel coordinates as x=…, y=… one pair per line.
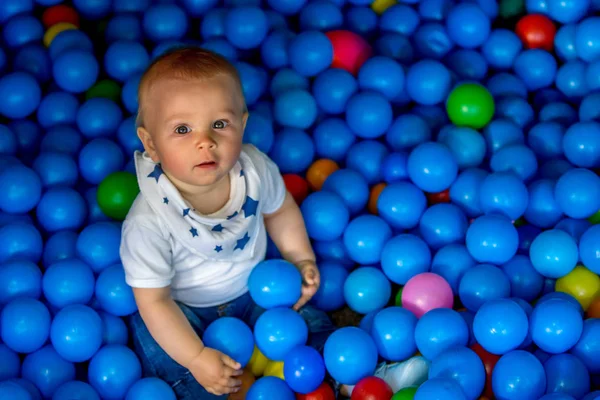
x=273, y=189
x=146, y=257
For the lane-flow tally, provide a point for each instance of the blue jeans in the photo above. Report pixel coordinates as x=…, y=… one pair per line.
x=157, y=363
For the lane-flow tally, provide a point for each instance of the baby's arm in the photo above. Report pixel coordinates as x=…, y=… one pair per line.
x=288, y=231
x=172, y=331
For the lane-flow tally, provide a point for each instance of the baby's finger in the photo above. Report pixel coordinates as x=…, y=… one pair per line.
x=309, y=277
x=230, y=362
x=228, y=371
x=301, y=302
x=230, y=382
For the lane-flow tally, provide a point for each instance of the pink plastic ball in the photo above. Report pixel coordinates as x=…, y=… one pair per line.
x=425, y=292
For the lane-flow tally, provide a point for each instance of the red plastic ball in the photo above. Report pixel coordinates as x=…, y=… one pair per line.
x=323, y=392
x=489, y=362
x=437, y=198
x=60, y=13
x=350, y=51
x=297, y=186
x=536, y=31
x=371, y=388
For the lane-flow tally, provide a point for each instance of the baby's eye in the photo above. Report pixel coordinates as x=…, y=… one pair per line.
x=220, y=124
x=182, y=129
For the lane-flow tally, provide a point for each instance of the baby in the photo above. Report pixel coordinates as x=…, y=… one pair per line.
x=200, y=223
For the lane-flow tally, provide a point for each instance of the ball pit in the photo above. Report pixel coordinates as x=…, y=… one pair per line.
x=444, y=155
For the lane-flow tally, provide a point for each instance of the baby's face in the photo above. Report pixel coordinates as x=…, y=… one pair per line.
x=196, y=128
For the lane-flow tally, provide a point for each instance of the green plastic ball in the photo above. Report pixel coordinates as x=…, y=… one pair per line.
x=470, y=105
x=408, y=393
x=116, y=194
x=105, y=88
x=398, y=299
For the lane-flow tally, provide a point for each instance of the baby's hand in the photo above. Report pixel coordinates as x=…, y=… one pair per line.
x=216, y=372
x=311, y=279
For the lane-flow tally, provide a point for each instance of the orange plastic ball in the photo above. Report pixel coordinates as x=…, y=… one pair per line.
x=593, y=310
x=536, y=31
x=437, y=198
x=350, y=51
x=374, y=197
x=319, y=171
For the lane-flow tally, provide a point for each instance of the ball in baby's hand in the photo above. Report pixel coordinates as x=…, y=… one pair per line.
x=275, y=283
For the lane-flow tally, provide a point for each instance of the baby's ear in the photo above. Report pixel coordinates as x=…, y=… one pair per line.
x=148, y=143
x=245, y=120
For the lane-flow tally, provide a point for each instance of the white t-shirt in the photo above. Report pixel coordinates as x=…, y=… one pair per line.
x=206, y=259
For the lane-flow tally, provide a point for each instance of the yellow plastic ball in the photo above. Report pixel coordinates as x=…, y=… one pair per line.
x=580, y=283
x=258, y=362
x=275, y=368
x=55, y=30
x=379, y=6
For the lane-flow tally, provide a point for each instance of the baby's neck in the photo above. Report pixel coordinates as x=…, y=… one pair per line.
x=208, y=200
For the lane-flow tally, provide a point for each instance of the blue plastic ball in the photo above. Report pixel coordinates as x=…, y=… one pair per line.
x=275, y=283
x=556, y=326
x=98, y=159
x=287, y=7
x=405, y=256
x=113, y=370
x=440, y=388
x=581, y=144
x=481, y=284
x=25, y=324
x=350, y=355
x=325, y=214
x=246, y=26
x=546, y=139
x=408, y=131
x=98, y=245
x=303, y=369
x=165, y=22
x=124, y=59
x=396, y=46
x=11, y=8
x=56, y=169
x=20, y=95
x=293, y=150
x=517, y=159
x=69, y=39
x=500, y=325
x=443, y=224
x=114, y=295
x=351, y=187
x=11, y=364
x=567, y=375
x=367, y=289
x=571, y=81
x=254, y=81
x=462, y=365
x=333, y=88
x=366, y=157
x=321, y=15
x=368, y=114
x=399, y=18
x=37, y=367
x=492, y=239
x=468, y=64
x=554, y=253
x=124, y=26
x=501, y=48
x=232, y=337
x=333, y=250
x=21, y=189
x=568, y=11
x=76, y=390
x=198, y=8
x=394, y=344
x=310, y=53
x=295, y=109
x=268, y=386
x=57, y=108
x=330, y=296
x=428, y=82
x=93, y=9
x=21, y=30
x=560, y=112
x=536, y=67
x=438, y=330
x=68, y=281
x=468, y=25
x=542, y=211
x=432, y=167
x=19, y=278
x=279, y=330
x=466, y=144
x=401, y=205
x=431, y=40
x=21, y=240
x=75, y=70
x=287, y=79
x=577, y=192
x=588, y=109
x=76, y=333
x=503, y=193
x=274, y=49
x=451, y=262
x=61, y=208
x=382, y=74
x=62, y=139
x=365, y=237
x=505, y=84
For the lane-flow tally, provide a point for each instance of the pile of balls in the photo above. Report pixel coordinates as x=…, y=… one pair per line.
x=444, y=153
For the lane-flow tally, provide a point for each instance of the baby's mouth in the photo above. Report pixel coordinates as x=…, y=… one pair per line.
x=207, y=164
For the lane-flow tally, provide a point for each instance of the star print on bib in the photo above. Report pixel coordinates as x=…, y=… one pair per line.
x=231, y=238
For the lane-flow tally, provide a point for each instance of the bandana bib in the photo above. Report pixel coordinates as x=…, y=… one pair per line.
x=230, y=238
